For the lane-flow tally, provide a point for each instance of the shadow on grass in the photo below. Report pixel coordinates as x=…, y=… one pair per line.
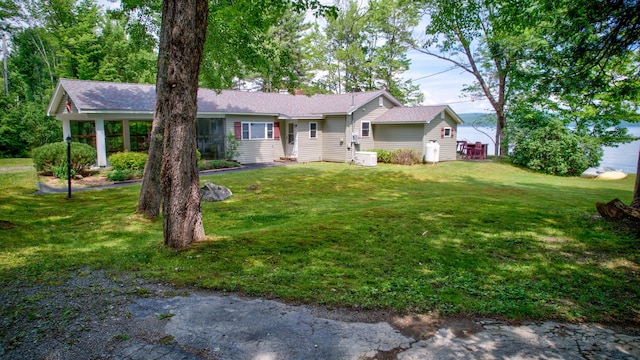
x=408, y=240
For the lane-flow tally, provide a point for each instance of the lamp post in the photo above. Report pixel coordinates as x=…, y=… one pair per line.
x=68, y=140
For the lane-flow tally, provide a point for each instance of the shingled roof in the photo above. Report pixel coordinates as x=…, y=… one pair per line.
x=418, y=114
x=97, y=97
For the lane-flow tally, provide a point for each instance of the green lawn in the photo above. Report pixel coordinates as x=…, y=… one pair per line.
x=461, y=237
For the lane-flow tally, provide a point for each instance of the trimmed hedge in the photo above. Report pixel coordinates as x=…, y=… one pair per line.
x=128, y=161
x=50, y=157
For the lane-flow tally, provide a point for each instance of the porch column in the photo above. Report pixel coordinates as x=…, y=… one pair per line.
x=101, y=143
x=126, y=137
x=66, y=129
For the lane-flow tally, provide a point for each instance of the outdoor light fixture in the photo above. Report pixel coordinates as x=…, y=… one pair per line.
x=68, y=140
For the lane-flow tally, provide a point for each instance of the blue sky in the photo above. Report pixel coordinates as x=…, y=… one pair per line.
x=441, y=87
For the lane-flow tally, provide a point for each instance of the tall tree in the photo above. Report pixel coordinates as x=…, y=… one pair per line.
x=485, y=38
x=182, y=37
x=391, y=23
x=365, y=48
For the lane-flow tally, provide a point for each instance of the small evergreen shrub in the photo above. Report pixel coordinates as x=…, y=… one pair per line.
x=128, y=161
x=406, y=157
x=48, y=156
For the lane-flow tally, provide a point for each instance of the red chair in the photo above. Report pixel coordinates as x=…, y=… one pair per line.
x=474, y=151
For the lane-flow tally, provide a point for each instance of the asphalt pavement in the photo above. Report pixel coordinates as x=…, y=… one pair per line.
x=230, y=327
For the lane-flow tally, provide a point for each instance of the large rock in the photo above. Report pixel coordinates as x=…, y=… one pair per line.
x=213, y=192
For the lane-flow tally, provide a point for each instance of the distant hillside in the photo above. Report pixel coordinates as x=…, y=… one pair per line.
x=478, y=118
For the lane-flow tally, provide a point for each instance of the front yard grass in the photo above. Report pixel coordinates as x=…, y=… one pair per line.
x=484, y=239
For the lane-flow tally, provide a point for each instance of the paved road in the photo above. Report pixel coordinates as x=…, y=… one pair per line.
x=229, y=327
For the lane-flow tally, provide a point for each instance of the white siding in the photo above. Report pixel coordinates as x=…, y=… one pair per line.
x=333, y=131
x=257, y=151
x=309, y=149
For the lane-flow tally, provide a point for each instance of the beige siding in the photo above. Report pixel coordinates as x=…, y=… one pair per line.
x=402, y=136
x=433, y=132
x=334, y=139
x=257, y=151
x=309, y=149
x=369, y=112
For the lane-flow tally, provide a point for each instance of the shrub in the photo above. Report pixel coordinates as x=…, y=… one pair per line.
x=231, y=146
x=554, y=149
x=48, y=156
x=406, y=157
x=124, y=174
x=61, y=171
x=384, y=156
x=128, y=161
x=217, y=164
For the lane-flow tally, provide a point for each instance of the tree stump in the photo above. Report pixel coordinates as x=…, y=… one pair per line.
x=617, y=210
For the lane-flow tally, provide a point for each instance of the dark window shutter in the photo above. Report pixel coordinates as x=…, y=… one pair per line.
x=442, y=132
x=237, y=127
x=276, y=130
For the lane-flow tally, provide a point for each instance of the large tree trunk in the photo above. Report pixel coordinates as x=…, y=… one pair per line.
x=636, y=191
x=151, y=192
x=185, y=22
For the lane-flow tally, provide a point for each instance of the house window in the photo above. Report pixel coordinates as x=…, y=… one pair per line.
x=366, y=128
x=257, y=130
x=380, y=101
x=313, y=130
x=446, y=132
x=290, y=133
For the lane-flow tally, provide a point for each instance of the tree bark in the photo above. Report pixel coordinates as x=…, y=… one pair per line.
x=184, y=25
x=617, y=210
x=636, y=191
x=151, y=191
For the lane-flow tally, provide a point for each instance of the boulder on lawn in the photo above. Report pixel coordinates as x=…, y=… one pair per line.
x=213, y=192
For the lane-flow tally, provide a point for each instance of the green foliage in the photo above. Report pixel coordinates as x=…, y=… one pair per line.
x=124, y=174
x=217, y=164
x=384, y=156
x=61, y=171
x=549, y=147
x=364, y=48
x=128, y=160
x=46, y=157
x=24, y=126
x=231, y=146
x=398, y=156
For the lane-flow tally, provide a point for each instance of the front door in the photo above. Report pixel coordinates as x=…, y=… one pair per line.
x=292, y=138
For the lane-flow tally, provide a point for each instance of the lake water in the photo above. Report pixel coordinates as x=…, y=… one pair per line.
x=624, y=157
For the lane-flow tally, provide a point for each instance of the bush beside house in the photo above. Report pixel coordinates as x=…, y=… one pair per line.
x=51, y=159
